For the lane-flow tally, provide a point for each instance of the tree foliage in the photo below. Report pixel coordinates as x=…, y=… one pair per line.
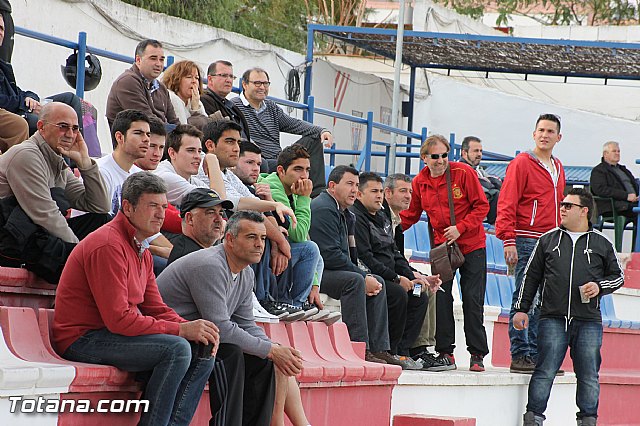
x=556, y=12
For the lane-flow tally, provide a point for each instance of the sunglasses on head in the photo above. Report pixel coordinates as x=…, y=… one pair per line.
x=438, y=156
x=567, y=205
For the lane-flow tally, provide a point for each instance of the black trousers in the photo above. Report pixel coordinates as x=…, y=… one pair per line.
x=406, y=314
x=473, y=283
x=315, y=149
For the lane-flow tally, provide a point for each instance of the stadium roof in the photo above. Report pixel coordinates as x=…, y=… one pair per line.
x=506, y=54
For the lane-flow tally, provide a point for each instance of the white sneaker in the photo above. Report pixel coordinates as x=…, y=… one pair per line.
x=260, y=314
x=330, y=318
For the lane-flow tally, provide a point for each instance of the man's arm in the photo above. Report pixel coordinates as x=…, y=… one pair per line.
x=177, y=186
x=363, y=244
x=613, y=274
x=130, y=93
x=292, y=125
x=411, y=215
x=512, y=188
x=601, y=188
x=161, y=246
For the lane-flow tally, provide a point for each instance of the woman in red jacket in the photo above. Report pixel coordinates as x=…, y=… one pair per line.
x=430, y=194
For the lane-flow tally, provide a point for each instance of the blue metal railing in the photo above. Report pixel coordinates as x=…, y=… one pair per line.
x=309, y=110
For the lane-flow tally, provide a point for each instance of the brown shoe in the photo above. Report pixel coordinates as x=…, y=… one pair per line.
x=369, y=357
x=522, y=365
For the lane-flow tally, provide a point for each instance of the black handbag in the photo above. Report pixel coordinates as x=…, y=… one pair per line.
x=446, y=258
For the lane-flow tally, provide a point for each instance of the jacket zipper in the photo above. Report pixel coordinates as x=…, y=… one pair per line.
x=533, y=212
x=573, y=252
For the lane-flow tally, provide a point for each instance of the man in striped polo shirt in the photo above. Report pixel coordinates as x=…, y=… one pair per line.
x=266, y=120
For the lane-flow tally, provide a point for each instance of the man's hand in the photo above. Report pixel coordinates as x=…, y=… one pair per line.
x=286, y=359
x=283, y=211
x=434, y=282
x=314, y=297
x=591, y=289
x=451, y=234
x=510, y=255
x=279, y=260
x=209, y=163
x=520, y=321
x=405, y=283
x=33, y=105
x=371, y=285
x=76, y=151
x=263, y=191
x=326, y=138
x=632, y=198
x=302, y=187
x=201, y=331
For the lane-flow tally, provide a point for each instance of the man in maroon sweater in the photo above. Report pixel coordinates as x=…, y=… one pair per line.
x=109, y=311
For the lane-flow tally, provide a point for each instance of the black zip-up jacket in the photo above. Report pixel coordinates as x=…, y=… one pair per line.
x=559, y=267
x=606, y=183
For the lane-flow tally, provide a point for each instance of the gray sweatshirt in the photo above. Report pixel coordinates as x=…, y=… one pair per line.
x=200, y=285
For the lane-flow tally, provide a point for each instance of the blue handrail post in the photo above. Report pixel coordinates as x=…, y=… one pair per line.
x=170, y=60
x=453, y=154
x=310, y=109
x=423, y=138
x=308, y=71
x=369, y=140
x=82, y=52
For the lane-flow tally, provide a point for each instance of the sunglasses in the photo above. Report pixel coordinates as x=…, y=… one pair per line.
x=568, y=206
x=438, y=156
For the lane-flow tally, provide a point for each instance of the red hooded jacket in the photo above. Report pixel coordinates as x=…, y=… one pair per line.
x=470, y=205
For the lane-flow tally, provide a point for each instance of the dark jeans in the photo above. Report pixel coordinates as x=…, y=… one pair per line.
x=365, y=316
x=177, y=379
x=66, y=98
x=473, y=283
x=406, y=314
x=524, y=342
x=242, y=388
x=316, y=151
x=265, y=281
x=585, y=339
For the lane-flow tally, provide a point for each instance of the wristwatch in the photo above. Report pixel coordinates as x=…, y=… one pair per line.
x=397, y=279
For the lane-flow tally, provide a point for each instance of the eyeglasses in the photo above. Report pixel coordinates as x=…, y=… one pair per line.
x=225, y=76
x=438, y=156
x=567, y=205
x=64, y=127
x=261, y=83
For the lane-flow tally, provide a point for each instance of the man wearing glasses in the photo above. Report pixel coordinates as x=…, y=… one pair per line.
x=574, y=266
x=37, y=188
x=266, y=120
x=220, y=80
x=528, y=206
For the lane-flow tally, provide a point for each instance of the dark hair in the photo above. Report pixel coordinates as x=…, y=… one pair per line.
x=142, y=46
x=123, y=121
x=339, y=171
x=291, y=153
x=174, y=138
x=142, y=183
x=366, y=177
x=247, y=146
x=213, y=131
x=390, y=181
x=549, y=117
x=233, y=224
x=586, y=199
x=157, y=126
x=247, y=73
x=467, y=141
x=212, y=67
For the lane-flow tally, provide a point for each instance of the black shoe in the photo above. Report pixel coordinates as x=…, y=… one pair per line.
x=432, y=363
x=294, y=313
x=522, y=365
x=271, y=307
x=477, y=363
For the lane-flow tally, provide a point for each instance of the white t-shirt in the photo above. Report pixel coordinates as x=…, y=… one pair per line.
x=575, y=235
x=177, y=186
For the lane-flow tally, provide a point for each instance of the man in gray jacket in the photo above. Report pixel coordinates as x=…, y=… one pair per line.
x=216, y=284
x=37, y=188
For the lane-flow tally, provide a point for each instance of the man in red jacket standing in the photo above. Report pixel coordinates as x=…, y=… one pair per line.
x=470, y=206
x=528, y=207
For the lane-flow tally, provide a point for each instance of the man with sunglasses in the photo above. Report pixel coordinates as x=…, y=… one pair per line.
x=528, y=206
x=431, y=195
x=266, y=120
x=37, y=188
x=573, y=266
x=220, y=80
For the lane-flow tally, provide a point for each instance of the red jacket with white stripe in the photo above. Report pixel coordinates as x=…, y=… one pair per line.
x=529, y=202
x=470, y=205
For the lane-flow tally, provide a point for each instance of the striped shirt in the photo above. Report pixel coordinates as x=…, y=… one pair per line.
x=266, y=123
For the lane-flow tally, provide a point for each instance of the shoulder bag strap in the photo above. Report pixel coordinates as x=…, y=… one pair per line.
x=450, y=196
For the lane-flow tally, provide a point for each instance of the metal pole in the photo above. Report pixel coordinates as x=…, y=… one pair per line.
x=412, y=95
x=396, y=89
x=308, y=71
x=82, y=52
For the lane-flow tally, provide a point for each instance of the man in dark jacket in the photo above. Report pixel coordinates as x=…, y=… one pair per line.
x=407, y=298
x=610, y=179
x=576, y=266
x=220, y=80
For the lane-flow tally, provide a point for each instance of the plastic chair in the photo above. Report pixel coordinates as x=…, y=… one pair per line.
x=609, y=313
x=491, y=262
x=498, y=254
x=492, y=295
x=619, y=223
x=506, y=287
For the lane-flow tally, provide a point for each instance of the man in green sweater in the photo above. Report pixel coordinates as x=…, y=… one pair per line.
x=290, y=185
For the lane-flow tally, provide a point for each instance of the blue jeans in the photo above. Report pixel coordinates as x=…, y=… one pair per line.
x=585, y=340
x=295, y=283
x=177, y=380
x=524, y=342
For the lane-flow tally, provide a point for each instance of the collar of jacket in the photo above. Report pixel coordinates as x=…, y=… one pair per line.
x=377, y=218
